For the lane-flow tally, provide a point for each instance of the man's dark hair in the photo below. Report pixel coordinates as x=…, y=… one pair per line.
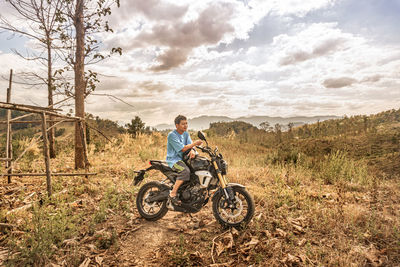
x=180, y=118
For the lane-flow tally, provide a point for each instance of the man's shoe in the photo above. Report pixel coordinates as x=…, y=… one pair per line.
x=175, y=200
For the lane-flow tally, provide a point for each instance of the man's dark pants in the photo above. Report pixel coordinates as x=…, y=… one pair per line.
x=183, y=171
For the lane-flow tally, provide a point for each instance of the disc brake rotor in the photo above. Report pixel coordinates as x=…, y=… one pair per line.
x=235, y=213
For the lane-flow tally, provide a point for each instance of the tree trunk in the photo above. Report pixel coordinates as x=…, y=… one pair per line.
x=51, y=132
x=80, y=85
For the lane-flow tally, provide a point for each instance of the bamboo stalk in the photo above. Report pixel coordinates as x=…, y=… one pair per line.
x=34, y=109
x=9, y=133
x=37, y=121
x=46, y=153
x=22, y=116
x=53, y=174
x=83, y=137
x=48, y=108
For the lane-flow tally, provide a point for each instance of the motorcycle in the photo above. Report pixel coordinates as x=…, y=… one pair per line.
x=232, y=205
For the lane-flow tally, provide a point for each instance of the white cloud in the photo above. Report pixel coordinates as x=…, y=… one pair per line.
x=174, y=61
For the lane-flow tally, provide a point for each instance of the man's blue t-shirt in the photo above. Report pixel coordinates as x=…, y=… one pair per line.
x=175, y=144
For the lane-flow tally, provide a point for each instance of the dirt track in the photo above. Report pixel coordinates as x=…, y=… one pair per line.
x=140, y=247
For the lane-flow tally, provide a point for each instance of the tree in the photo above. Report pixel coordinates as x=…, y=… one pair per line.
x=79, y=21
x=265, y=125
x=135, y=127
x=41, y=17
x=290, y=129
x=278, y=132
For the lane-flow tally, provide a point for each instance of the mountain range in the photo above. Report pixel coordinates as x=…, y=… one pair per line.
x=203, y=122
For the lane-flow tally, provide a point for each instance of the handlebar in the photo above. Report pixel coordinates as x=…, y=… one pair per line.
x=206, y=150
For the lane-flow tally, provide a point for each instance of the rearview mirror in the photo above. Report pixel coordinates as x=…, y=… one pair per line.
x=201, y=136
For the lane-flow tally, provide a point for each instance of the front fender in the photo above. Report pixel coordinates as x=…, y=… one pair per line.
x=235, y=185
x=220, y=190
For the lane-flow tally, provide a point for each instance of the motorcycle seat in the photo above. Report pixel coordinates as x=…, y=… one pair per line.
x=162, y=165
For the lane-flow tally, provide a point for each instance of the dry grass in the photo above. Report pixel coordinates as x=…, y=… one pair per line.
x=339, y=215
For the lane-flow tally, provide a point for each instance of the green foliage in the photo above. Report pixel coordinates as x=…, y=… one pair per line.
x=105, y=240
x=59, y=131
x=112, y=200
x=135, y=127
x=226, y=128
x=45, y=234
x=338, y=167
x=180, y=255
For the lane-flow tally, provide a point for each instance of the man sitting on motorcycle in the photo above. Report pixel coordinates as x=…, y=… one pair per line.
x=179, y=141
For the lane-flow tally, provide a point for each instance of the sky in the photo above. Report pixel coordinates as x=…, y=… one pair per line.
x=237, y=58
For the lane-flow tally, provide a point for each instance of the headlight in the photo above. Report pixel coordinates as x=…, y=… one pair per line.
x=224, y=167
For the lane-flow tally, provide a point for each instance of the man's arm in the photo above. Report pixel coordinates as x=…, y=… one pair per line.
x=190, y=146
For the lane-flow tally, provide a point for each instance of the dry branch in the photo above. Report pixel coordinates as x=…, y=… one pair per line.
x=34, y=109
x=36, y=121
x=53, y=174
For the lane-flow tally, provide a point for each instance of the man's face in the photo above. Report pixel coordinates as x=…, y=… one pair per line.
x=182, y=126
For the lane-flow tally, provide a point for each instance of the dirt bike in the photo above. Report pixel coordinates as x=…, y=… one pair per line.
x=232, y=204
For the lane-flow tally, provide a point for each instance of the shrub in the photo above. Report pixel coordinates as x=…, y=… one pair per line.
x=337, y=166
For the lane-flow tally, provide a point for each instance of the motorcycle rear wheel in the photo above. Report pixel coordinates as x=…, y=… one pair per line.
x=238, y=217
x=151, y=211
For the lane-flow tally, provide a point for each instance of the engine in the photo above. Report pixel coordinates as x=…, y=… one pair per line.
x=194, y=195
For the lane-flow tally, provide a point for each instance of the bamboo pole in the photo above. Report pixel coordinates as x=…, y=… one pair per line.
x=33, y=109
x=22, y=116
x=83, y=137
x=46, y=153
x=9, y=132
x=53, y=174
x=37, y=121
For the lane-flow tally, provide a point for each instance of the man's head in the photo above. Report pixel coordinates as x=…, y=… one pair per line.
x=181, y=123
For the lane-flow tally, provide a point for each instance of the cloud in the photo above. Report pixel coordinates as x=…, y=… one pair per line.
x=339, y=82
x=291, y=7
x=180, y=38
x=153, y=87
x=156, y=9
x=172, y=58
x=372, y=78
x=321, y=49
x=316, y=40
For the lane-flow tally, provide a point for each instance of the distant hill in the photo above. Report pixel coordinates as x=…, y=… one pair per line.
x=203, y=122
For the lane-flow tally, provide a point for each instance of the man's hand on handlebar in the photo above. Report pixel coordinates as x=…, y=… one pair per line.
x=197, y=143
x=192, y=153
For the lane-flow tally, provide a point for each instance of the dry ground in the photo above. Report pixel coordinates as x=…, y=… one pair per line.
x=299, y=219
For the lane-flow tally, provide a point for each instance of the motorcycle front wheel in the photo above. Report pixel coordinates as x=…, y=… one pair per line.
x=238, y=216
x=151, y=211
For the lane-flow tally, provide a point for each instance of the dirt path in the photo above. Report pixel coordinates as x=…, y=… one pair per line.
x=140, y=247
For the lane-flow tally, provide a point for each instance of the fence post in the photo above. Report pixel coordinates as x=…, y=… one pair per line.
x=46, y=153
x=9, y=131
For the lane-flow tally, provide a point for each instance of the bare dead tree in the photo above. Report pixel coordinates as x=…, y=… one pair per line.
x=39, y=24
x=79, y=21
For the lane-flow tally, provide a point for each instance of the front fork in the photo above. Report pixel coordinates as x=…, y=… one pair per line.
x=228, y=191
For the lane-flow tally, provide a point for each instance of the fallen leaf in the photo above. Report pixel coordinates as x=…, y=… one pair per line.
x=235, y=232
x=281, y=232
x=299, y=229
x=85, y=263
x=301, y=242
x=292, y=259
x=219, y=248
x=254, y=241
x=98, y=260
